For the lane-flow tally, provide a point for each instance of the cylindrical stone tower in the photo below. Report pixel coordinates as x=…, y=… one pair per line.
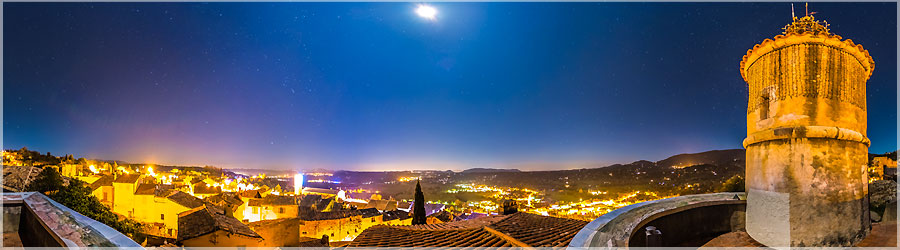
x=806, y=142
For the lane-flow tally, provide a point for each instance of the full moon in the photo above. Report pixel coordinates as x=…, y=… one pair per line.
x=426, y=11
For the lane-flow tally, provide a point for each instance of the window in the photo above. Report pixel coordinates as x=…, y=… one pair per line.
x=170, y=231
x=280, y=210
x=162, y=216
x=255, y=210
x=764, y=108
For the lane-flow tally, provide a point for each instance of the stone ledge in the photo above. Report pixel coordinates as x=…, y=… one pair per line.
x=806, y=132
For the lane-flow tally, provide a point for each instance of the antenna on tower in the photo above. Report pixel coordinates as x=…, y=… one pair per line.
x=807, y=9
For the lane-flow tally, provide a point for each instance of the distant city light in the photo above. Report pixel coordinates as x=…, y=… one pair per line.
x=298, y=183
x=427, y=12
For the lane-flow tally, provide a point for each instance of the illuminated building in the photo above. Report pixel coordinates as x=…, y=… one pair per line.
x=806, y=138
x=123, y=193
x=342, y=225
x=271, y=207
x=883, y=166
x=102, y=188
x=159, y=207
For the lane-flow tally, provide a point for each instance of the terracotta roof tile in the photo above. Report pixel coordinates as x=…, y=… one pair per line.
x=465, y=224
x=106, y=180
x=201, y=188
x=184, y=199
x=395, y=215
x=145, y=189
x=490, y=231
x=208, y=219
x=225, y=198
x=387, y=236
x=131, y=178
x=539, y=231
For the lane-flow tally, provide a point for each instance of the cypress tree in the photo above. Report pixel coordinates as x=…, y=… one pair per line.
x=419, y=207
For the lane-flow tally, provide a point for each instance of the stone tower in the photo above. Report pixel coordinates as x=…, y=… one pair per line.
x=806, y=138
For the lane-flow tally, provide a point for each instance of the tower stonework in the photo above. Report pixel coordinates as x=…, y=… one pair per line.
x=807, y=150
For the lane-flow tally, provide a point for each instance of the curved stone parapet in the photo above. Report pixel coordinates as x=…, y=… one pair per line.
x=615, y=229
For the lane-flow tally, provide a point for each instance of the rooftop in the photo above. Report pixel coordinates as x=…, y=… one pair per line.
x=516, y=230
x=207, y=219
x=131, y=178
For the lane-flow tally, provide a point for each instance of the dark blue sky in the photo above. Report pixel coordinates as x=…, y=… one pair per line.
x=373, y=86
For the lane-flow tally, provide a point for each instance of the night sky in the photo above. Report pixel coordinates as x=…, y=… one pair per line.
x=373, y=86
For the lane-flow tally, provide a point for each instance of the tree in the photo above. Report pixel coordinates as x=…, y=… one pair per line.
x=46, y=182
x=419, y=207
x=77, y=196
x=733, y=184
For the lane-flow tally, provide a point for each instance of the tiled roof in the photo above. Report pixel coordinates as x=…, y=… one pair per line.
x=311, y=242
x=201, y=188
x=538, y=230
x=145, y=189
x=227, y=198
x=251, y=194
x=323, y=204
x=519, y=230
x=465, y=224
x=383, y=205
x=106, y=180
x=17, y=178
x=395, y=215
x=387, y=236
x=274, y=200
x=131, y=178
x=163, y=190
x=314, y=216
x=310, y=200
x=320, y=191
x=208, y=219
x=184, y=199
x=443, y=215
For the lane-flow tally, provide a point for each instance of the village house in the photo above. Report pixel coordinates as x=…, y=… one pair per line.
x=124, y=187
x=208, y=226
x=102, y=188
x=271, y=207
x=159, y=208
x=316, y=203
x=884, y=167
x=230, y=202
x=343, y=225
